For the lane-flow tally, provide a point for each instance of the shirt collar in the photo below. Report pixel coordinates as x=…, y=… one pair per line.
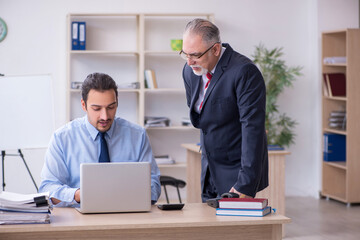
x=222, y=52
x=94, y=132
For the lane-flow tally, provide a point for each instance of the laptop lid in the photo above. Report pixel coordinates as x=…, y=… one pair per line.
x=115, y=187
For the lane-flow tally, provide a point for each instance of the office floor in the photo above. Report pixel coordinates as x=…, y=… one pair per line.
x=321, y=219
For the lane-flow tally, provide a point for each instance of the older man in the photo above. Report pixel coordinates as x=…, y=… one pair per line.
x=226, y=95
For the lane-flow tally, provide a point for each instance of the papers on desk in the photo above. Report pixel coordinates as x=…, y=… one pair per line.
x=23, y=218
x=18, y=208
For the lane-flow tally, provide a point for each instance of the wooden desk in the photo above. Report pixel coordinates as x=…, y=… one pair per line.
x=275, y=192
x=195, y=221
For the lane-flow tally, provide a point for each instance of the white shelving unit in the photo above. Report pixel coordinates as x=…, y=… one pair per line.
x=123, y=46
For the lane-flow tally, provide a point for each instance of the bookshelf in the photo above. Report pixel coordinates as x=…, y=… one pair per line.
x=340, y=178
x=124, y=46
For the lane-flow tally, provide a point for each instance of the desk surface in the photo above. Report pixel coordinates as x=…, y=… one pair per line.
x=195, y=221
x=195, y=214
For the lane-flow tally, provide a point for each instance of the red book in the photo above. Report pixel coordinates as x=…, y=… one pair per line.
x=243, y=203
x=336, y=83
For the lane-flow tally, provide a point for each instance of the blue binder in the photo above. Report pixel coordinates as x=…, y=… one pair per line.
x=334, y=147
x=75, y=36
x=82, y=36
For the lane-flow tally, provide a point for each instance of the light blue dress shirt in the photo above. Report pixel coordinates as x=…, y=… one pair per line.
x=79, y=142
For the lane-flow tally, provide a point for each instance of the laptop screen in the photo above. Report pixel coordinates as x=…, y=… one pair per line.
x=115, y=187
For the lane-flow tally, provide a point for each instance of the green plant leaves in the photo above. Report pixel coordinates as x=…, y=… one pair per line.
x=277, y=76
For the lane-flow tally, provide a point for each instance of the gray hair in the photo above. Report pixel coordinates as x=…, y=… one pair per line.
x=206, y=29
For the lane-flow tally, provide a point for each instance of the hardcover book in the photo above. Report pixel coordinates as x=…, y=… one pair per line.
x=338, y=114
x=275, y=147
x=150, y=79
x=243, y=212
x=336, y=84
x=243, y=203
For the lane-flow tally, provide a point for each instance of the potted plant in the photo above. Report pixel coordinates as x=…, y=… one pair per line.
x=277, y=76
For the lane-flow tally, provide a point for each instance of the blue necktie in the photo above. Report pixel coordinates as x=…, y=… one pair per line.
x=104, y=152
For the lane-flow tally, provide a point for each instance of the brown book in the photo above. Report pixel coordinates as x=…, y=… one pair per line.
x=336, y=84
x=153, y=77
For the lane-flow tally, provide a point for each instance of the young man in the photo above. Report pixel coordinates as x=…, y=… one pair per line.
x=226, y=95
x=80, y=141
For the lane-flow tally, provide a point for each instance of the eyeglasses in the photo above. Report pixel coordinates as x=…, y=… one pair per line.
x=187, y=56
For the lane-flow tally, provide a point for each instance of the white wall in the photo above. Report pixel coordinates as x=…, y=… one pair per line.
x=36, y=43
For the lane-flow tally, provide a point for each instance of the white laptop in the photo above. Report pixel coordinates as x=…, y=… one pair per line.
x=115, y=187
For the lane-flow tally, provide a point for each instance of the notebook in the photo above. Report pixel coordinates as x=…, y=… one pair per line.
x=115, y=187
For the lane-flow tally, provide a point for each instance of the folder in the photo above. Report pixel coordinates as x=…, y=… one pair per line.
x=82, y=36
x=334, y=147
x=75, y=36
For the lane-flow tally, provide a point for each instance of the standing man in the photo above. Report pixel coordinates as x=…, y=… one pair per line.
x=226, y=93
x=80, y=141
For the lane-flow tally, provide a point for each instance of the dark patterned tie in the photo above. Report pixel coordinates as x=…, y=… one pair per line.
x=104, y=152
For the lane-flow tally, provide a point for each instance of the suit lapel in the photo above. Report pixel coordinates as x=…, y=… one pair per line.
x=214, y=80
x=196, y=90
x=221, y=66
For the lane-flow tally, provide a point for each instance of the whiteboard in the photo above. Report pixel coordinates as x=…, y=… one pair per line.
x=26, y=111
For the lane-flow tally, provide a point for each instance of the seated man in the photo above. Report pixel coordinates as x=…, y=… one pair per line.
x=80, y=141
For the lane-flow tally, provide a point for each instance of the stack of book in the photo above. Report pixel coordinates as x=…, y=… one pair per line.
x=24, y=208
x=335, y=60
x=76, y=85
x=250, y=207
x=185, y=121
x=131, y=85
x=337, y=119
x=157, y=122
x=164, y=159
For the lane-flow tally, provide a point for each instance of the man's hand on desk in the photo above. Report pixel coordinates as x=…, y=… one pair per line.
x=77, y=196
x=241, y=195
x=55, y=200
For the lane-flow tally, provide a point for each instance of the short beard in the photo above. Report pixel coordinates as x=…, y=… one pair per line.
x=202, y=71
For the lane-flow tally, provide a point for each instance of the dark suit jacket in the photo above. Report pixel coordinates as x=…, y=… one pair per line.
x=232, y=123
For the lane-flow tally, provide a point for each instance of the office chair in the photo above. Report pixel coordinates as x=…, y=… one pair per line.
x=167, y=180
